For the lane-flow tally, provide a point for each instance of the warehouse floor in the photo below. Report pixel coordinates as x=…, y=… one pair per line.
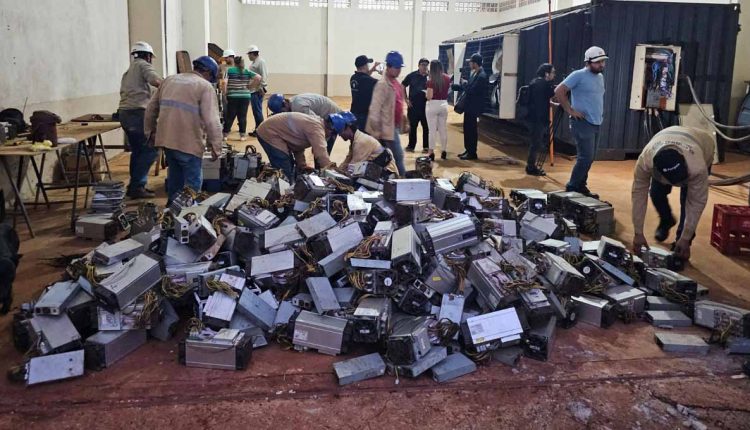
x=613, y=378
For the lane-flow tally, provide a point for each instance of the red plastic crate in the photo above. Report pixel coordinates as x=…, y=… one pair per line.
x=730, y=228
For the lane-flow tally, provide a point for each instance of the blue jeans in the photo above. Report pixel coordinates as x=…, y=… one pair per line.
x=586, y=136
x=142, y=156
x=398, y=152
x=256, y=102
x=279, y=159
x=184, y=170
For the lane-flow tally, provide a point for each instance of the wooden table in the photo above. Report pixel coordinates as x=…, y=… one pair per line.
x=88, y=136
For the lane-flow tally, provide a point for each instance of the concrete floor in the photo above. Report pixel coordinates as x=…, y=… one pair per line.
x=613, y=378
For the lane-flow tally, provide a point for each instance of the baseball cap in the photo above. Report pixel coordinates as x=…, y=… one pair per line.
x=595, y=54
x=362, y=60
x=424, y=60
x=476, y=58
x=671, y=166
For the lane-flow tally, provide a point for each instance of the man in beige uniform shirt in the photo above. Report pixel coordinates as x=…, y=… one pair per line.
x=285, y=137
x=676, y=156
x=363, y=147
x=183, y=110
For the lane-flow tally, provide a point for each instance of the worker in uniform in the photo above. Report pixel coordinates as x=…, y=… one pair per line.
x=258, y=67
x=363, y=147
x=135, y=92
x=285, y=137
x=227, y=61
x=307, y=103
x=182, y=111
x=675, y=157
x=385, y=119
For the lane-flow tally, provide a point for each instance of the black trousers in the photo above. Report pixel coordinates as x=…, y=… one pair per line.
x=537, y=132
x=236, y=108
x=417, y=115
x=471, y=134
x=659, y=197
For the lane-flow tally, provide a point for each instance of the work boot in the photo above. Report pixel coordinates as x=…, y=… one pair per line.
x=141, y=193
x=409, y=149
x=586, y=192
x=444, y=155
x=534, y=171
x=468, y=157
x=662, y=231
x=425, y=150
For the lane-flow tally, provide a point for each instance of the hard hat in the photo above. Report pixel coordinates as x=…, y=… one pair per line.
x=276, y=103
x=594, y=55
x=207, y=63
x=394, y=59
x=141, y=47
x=338, y=123
x=228, y=53
x=348, y=117
x=253, y=48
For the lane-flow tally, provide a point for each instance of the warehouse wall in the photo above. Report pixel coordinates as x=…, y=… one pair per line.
x=296, y=41
x=66, y=56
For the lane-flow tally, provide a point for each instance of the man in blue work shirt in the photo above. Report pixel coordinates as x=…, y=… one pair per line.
x=586, y=111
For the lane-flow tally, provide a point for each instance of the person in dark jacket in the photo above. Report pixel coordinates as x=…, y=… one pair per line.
x=476, y=101
x=541, y=91
x=416, y=83
x=362, y=83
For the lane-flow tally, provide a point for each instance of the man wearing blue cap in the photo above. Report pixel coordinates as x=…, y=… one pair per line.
x=385, y=118
x=185, y=109
x=363, y=147
x=676, y=156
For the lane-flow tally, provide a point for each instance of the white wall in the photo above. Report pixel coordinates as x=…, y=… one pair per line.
x=195, y=27
x=66, y=56
x=293, y=39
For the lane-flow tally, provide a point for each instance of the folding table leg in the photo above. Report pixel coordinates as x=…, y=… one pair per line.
x=104, y=154
x=39, y=182
x=77, y=181
x=17, y=192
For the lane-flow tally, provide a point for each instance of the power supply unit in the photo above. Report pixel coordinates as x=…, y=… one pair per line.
x=56, y=297
x=219, y=310
x=346, y=296
x=557, y=247
x=682, y=343
x=451, y=308
x=412, y=212
x=251, y=189
x=181, y=230
x=439, y=276
x=470, y=183
x=434, y=356
x=628, y=298
x=453, y=366
x=719, y=316
x=370, y=319
x=657, y=257
x=188, y=274
x=408, y=341
x=671, y=285
x=281, y=237
x=565, y=278
x=490, y=282
x=285, y=312
x=458, y=232
x=488, y=331
x=107, y=347
x=315, y=225
x=255, y=308
x=310, y=187
x=96, y=227
x=399, y=190
x=668, y=319
x=54, y=333
x=612, y=251
x=327, y=334
x=595, y=311
x=537, y=342
x=658, y=303
x=359, y=368
x=272, y=263
x=344, y=235
x=229, y=349
x=413, y=297
x=117, y=252
x=406, y=250
x=322, y=294
x=202, y=234
x=255, y=217
x=54, y=367
x=246, y=165
x=132, y=280
x=357, y=205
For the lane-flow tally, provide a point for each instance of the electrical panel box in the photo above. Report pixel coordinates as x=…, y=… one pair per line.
x=655, y=72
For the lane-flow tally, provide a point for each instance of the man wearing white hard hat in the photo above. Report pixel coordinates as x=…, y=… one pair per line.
x=586, y=110
x=256, y=100
x=135, y=92
x=227, y=61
